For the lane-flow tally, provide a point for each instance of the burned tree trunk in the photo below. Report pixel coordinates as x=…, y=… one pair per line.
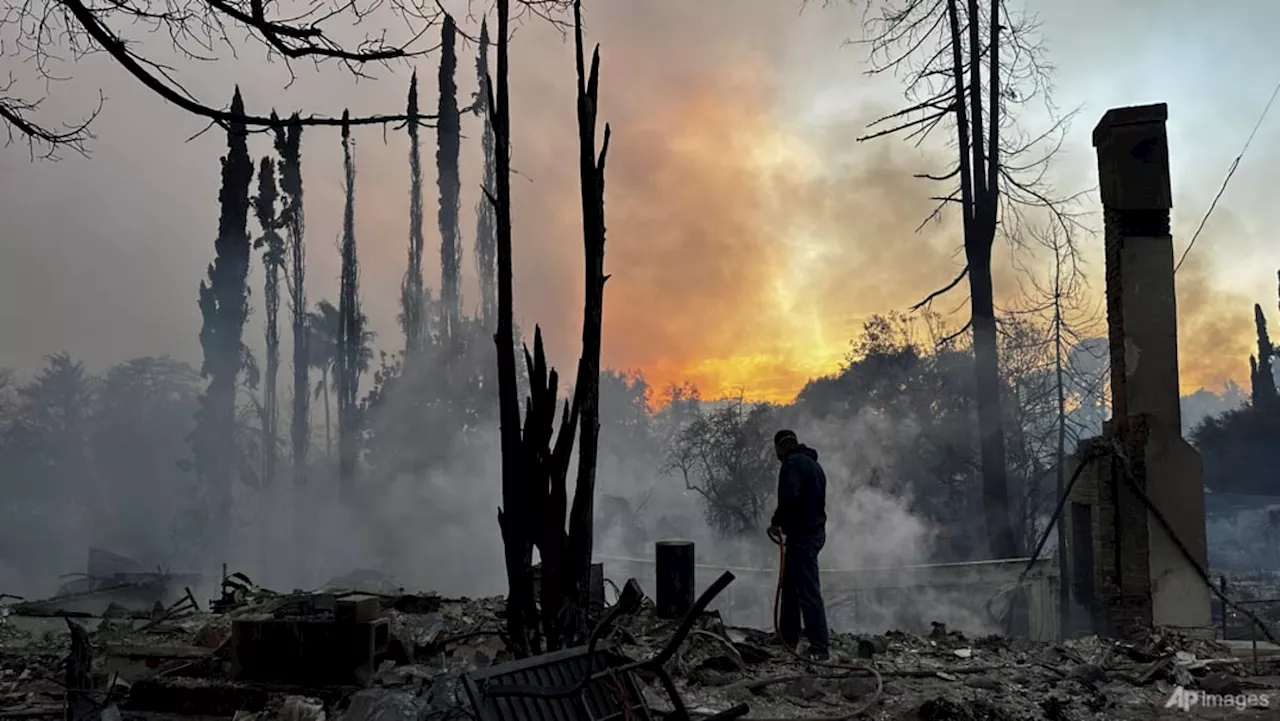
x=989, y=60
x=272, y=246
x=484, y=244
x=980, y=178
x=448, y=141
x=411, y=294
x=547, y=467
x=514, y=516
x=587, y=387
x=350, y=330
x=535, y=459
x=288, y=142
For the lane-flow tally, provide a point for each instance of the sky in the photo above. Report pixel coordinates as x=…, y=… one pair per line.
x=749, y=233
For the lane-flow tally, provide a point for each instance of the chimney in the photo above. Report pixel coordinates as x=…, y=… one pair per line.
x=1142, y=311
x=1143, y=575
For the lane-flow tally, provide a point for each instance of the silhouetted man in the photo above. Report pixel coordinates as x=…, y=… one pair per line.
x=801, y=519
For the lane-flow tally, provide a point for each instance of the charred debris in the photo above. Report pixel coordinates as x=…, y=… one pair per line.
x=125, y=642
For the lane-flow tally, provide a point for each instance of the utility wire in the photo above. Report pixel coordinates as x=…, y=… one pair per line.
x=1230, y=172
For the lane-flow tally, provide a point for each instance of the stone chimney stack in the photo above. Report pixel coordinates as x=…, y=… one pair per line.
x=1142, y=311
x=1142, y=575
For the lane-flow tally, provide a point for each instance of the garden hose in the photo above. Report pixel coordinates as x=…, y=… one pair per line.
x=854, y=667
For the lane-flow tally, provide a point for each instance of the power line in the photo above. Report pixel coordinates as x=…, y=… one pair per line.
x=1230, y=172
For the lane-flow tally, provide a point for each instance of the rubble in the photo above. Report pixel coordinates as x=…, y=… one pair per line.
x=188, y=664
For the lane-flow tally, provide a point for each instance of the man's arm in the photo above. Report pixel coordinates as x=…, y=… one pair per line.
x=788, y=496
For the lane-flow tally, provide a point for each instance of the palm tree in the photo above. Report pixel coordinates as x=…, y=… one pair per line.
x=322, y=325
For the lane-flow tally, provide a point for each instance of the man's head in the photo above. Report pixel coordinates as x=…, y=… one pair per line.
x=783, y=441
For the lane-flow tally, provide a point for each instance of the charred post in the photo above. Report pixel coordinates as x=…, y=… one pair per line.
x=675, y=578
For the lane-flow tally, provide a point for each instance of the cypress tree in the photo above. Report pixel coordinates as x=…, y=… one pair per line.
x=350, y=327
x=1263, y=381
x=224, y=308
x=448, y=141
x=411, y=291
x=486, y=238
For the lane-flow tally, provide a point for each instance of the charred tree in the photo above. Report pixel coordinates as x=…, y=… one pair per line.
x=545, y=485
x=39, y=31
x=535, y=458
x=272, y=247
x=288, y=142
x=587, y=388
x=958, y=55
x=514, y=516
x=979, y=165
x=484, y=244
x=448, y=142
x=224, y=307
x=350, y=330
x=1263, y=380
x=411, y=292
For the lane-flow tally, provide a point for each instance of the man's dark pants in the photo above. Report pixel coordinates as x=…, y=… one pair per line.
x=802, y=594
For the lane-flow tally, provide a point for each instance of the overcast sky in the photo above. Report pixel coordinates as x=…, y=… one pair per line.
x=749, y=233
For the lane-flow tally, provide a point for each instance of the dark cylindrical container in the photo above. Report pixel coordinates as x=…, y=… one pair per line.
x=675, y=578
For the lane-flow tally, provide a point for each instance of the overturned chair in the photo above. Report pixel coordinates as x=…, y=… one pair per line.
x=591, y=682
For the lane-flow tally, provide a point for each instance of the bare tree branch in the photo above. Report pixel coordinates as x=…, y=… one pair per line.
x=928, y=300
x=45, y=33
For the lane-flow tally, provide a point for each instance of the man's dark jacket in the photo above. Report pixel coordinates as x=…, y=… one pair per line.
x=802, y=494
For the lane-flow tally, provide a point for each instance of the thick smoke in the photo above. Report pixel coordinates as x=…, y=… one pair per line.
x=750, y=235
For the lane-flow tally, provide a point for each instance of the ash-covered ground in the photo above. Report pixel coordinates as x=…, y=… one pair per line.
x=175, y=662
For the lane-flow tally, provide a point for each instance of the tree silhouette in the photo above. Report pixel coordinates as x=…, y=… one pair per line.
x=288, y=144
x=535, y=455
x=412, y=292
x=351, y=331
x=1261, y=376
x=485, y=249
x=323, y=328
x=725, y=456
x=966, y=64
x=213, y=32
x=272, y=246
x=448, y=145
x=224, y=306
